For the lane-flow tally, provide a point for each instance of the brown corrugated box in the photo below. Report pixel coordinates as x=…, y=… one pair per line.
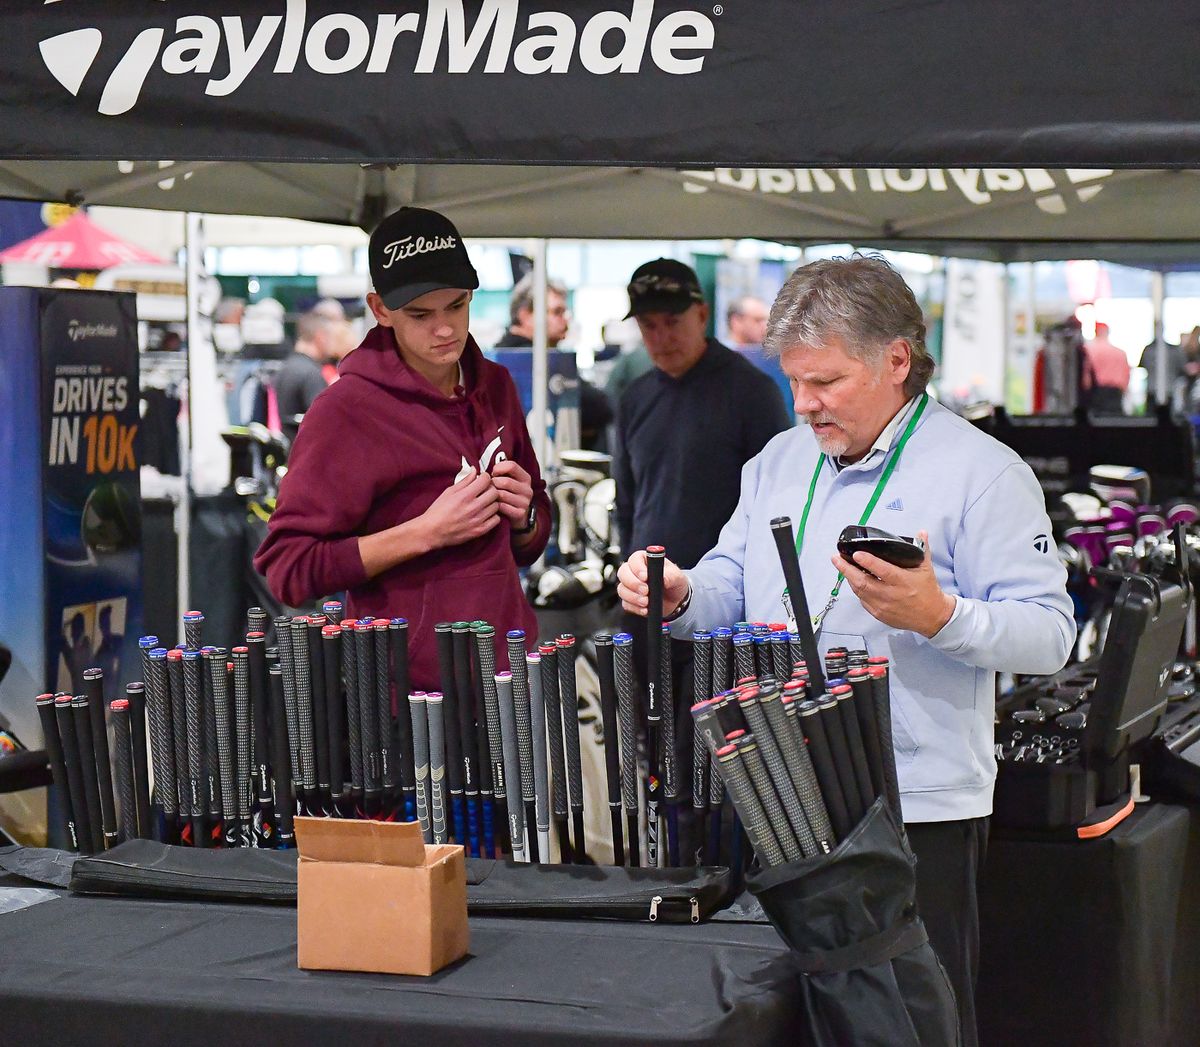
x=371, y=896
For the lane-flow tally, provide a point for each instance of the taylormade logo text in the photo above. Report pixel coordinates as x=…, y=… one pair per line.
x=499, y=39
x=408, y=247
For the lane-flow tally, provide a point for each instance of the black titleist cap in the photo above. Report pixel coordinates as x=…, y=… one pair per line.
x=414, y=251
x=663, y=286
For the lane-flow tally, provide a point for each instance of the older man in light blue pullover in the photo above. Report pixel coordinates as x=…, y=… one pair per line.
x=990, y=596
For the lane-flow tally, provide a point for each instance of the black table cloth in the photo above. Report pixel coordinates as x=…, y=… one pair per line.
x=78, y=970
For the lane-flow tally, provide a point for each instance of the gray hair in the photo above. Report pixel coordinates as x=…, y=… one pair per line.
x=860, y=299
x=312, y=323
x=522, y=295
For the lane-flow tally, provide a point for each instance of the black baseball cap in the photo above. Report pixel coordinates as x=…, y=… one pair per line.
x=663, y=286
x=414, y=251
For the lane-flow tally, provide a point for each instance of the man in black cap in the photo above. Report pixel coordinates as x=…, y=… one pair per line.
x=684, y=431
x=686, y=428
x=413, y=485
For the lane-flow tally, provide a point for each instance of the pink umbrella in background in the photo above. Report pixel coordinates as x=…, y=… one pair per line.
x=78, y=243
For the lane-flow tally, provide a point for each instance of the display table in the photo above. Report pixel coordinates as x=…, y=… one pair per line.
x=77, y=970
x=1093, y=942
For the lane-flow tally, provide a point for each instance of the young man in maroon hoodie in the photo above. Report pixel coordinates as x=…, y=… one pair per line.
x=412, y=484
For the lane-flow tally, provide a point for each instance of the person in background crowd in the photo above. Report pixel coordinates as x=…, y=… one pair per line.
x=595, y=412
x=342, y=342
x=412, y=484
x=990, y=596
x=684, y=431
x=746, y=319
x=1110, y=373
x=301, y=379
x=520, y=312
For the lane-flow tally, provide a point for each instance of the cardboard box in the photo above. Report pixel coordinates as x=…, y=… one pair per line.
x=371, y=896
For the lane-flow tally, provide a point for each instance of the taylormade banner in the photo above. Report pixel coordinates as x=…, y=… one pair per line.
x=748, y=83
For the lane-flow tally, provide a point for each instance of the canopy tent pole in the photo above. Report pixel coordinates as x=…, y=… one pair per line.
x=1157, y=297
x=541, y=370
x=192, y=242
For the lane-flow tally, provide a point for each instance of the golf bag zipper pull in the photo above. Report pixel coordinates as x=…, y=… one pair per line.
x=654, y=904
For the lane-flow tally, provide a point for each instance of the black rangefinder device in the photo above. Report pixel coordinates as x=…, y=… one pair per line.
x=894, y=548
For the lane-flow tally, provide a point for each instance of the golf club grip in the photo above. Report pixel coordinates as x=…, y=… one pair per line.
x=320, y=708
x=135, y=694
x=64, y=716
x=179, y=730
x=509, y=749
x=287, y=666
x=281, y=774
x=364, y=659
x=779, y=658
x=146, y=644
x=800, y=771
x=420, y=742
x=58, y=767
x=868, y=728
x=335, y=707
x=193, y=717
x=768, y=750
x=302, y=673
x=722, y=656
x=404, y=721
x=212, y=768
x=554, y=745
x=454, y=763
x=127, y=806
x=809, y=719
x=760, y=778
x=843, y=766
x=485, y=652
x=162, y=748
x=880, y=690
x=670, y=754
x=243, y=749
x=93, y=685
x=655, y=559
x=193, y=629
x=538, y=845
x=606, y=675
x=569, y=703
x=464, y=696
x=702, y=685
x=81, y=715
x=333, y=611
x=743, y=657
x=748, y=807
x=522, y=704
x=388, y=776
x=437, y=768
x=623, y=668
x=256, y=621
x=226, y=744
x=353, y=717
x=854, y=742
x=789, y=560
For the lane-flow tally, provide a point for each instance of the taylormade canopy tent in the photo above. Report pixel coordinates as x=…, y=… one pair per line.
x=1020, y=213
x=271, y=108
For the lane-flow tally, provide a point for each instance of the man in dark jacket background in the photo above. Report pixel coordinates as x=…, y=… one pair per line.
x=412, y=484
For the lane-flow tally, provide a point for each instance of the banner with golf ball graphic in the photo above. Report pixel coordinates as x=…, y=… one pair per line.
x=91, y=490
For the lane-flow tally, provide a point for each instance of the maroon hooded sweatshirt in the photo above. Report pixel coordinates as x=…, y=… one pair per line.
x=376, y=448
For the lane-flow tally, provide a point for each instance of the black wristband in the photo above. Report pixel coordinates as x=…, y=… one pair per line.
x=530, y=522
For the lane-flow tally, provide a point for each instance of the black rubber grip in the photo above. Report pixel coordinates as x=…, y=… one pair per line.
x=368, y=723
x=335, y=706
x=554, y=731
x=444, y=634
x=283, y=638
x=194, y=718
x=244, y=742
x=58, y=769
x=749, y=807
x=389, y=776
x=760, y=778
x=93, y=685
x=883, y=718
x=702, y=688
x=789, y=560
x=607, y=678
x=212, y=770
x=301, y=670
x=64, y=716
x=127, y=822
x=135, y=694
x=800, y=770
x=854, y=742
x=81, y=715
x=353, y=716
x=404, y=738
x=162, y=747
x=842, y=764
x=285, y=800
x=520, y=690
x=320, y=709
x=179, y=732
x=226, y=744
x=811, y=723
x=670, y=753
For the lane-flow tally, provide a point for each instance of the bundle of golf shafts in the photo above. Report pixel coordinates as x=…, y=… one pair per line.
x=801, y=763
x=324, y=723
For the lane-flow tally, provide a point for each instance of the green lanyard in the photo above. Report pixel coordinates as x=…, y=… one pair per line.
x=883, y=479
